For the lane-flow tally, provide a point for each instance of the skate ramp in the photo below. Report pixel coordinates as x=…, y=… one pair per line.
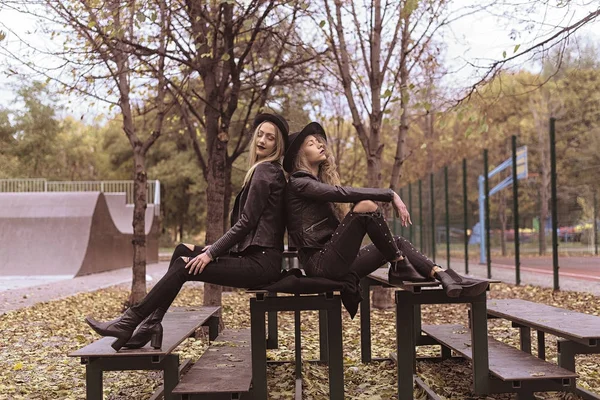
x=122, y=216
x=68, y=234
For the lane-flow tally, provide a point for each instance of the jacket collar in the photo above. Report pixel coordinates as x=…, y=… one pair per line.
x=299, y=174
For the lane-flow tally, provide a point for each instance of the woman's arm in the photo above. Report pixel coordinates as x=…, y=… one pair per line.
x=264, y=179
x=311, y=188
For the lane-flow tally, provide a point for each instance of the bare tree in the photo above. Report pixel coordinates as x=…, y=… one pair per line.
x=94, y=60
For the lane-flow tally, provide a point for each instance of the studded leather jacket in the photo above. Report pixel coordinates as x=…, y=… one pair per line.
x=310, y=217
x=257, y=218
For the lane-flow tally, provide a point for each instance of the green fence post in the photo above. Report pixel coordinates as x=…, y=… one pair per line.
x=466, y=215
x=447, y=217
x=432, y=197
x=410, y=210
x=420, y=215
x=516, y=211
x=553, y=201
x=487, y=214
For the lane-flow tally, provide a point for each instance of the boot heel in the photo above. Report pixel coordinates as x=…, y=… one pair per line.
x=157, y=337
x=117, y=344
x=453, y=290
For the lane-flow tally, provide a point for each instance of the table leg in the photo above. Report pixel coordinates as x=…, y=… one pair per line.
x=170, y=375
x=525, y=338
x=323, y=337
x=298, y=344
x=336, y=356
x=566, y=355
x=541, y=338
x=405, y=344
x=273, y=336
x=93, y=381
x=259, y=350
x=480, y=345
x=365, y=322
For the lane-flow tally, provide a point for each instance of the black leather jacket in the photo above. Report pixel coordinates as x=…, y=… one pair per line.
x=310, y=218
x=257, y=218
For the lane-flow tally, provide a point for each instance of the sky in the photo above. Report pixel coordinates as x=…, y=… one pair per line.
x=474, y=40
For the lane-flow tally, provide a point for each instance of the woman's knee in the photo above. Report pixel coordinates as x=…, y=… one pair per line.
x=183, y=249
x=365, y=206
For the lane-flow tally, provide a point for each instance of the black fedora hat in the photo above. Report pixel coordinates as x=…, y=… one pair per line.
x=276, y=119
x=296, y=140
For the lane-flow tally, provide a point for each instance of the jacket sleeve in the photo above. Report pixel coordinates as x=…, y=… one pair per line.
x=313, y=189
x=264, y=179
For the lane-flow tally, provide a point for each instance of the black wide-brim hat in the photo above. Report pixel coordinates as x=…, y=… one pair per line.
x=279, y=122
x=296, y=140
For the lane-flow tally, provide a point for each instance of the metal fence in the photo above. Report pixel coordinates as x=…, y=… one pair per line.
x=471, y=213
x=44, y=185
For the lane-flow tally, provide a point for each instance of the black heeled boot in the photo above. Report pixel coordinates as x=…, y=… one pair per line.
x=150, y=330
x=403, y=271
x=470, y=286
x=121, y=328
x=452, y=288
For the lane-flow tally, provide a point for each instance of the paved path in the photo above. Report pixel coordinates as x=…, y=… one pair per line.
x=15, y=298
x=538, y=274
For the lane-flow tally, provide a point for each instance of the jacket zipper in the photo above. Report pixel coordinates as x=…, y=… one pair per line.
x=313, y=226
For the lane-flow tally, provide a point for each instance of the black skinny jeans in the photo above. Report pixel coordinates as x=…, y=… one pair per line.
x=343, y=253
x=254, y=267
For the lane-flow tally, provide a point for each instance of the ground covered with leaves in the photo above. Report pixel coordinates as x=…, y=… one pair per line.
x=35, y=342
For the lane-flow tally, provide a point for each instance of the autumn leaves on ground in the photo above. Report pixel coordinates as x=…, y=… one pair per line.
x=35, y=341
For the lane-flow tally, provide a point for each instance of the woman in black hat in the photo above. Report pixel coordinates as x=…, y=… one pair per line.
x=247, y=255
x=328, y=233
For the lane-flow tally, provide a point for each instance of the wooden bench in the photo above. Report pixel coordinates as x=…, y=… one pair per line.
x=178, y=325
x=578, y=333
x=515, y=370
x=223, y=372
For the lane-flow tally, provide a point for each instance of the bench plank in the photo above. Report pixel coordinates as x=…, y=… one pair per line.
x=225, y=368
x=381, y=275
x=573, y=325
x=506, y=362
x=179, y=324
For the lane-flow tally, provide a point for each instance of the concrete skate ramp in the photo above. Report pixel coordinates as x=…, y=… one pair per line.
x=122, y=216
x=68, y=234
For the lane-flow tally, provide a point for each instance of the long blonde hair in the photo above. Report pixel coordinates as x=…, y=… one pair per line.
x=276, y=155
x=327, y=174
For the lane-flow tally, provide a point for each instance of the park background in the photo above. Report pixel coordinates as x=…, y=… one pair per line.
x=90, y=97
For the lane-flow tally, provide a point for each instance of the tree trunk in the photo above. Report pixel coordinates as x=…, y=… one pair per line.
x=140, y=188
x=215, y=196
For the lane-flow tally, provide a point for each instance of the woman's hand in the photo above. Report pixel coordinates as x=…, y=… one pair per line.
x=401, y=210
x=198, y=263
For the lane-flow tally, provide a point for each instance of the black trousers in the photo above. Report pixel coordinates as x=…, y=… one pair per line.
x=254, y=267
x=343, y=253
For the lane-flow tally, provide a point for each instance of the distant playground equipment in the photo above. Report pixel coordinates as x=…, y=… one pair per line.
x=522, y=172
x=70, y=233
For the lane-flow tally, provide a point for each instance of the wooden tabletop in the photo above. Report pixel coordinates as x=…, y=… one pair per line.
x=178, y=324
x=556, y=321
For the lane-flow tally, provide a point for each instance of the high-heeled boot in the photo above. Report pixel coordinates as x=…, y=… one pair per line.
x=452, y=288
x=121, y=328
x=150, y=330
x=470, y=286
x=403, y=271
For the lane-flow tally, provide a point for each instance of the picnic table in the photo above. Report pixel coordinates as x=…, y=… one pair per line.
x=179, y=324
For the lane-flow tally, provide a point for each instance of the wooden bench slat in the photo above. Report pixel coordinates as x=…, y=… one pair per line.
x=179, y=324
x=381, y=275
x=567, y=324
x=505, y=362
x=223, y=368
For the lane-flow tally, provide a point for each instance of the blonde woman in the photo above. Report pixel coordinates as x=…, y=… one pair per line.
x=328, y=233
x=247, y=255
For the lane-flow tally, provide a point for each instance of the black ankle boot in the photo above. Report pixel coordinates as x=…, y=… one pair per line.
x=121, y=328
x=470, y=286
x=452, y=288
x=150, y=330
x=403, y=271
